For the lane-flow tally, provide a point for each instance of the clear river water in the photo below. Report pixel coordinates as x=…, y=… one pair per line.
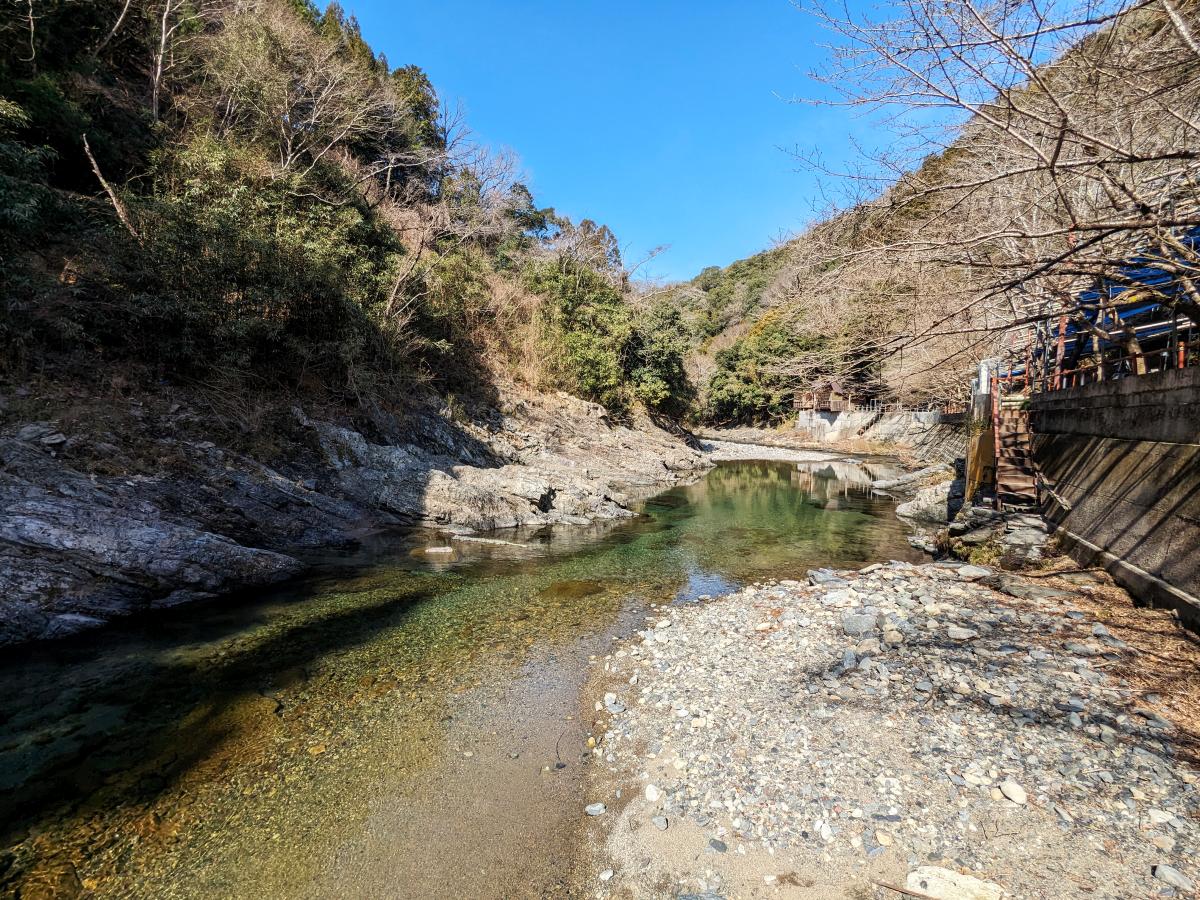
x=399, y=723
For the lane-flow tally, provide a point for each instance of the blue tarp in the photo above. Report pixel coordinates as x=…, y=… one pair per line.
x=1145, y=316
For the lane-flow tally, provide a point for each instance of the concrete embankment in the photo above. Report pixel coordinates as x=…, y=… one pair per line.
x=1121, y=460
x=926, y=435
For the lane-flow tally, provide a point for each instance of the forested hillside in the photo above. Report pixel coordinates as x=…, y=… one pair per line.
x=1068, y=144
x=242, y=194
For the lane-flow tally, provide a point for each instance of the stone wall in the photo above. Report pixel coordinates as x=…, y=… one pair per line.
x=1121, y=460
x=928, y=435
x=830, y=427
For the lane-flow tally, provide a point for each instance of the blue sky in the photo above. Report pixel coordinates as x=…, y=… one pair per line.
x=662, y=119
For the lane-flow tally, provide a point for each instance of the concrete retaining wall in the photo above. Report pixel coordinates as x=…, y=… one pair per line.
x=1122, y=461
x=832, y=426
x=1162, y=406
x=929, y=435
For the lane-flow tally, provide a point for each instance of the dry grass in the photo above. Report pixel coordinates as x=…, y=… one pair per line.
x=1165, y=671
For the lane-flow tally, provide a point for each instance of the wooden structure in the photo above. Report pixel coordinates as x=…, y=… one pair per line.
x=826, y=396
x=1016, y=478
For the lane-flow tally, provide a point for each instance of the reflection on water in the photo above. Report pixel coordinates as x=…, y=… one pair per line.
x=399, y=720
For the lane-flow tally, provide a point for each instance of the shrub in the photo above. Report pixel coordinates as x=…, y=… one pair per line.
x=747, y=385
x=588, y=327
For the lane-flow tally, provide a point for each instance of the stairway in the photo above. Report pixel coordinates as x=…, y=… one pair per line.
x=1016, y=479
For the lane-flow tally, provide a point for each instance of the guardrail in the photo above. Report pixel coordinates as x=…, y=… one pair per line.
x=1128, y=365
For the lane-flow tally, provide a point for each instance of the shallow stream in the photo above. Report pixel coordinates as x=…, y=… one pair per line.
x=400, y=723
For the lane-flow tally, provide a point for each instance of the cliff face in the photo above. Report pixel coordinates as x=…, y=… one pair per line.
x=87, y=536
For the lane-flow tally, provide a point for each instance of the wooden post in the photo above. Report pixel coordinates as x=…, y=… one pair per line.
x=1060, y=352
x=995, y=431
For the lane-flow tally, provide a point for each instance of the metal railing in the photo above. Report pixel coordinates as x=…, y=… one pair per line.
x=1104, y=368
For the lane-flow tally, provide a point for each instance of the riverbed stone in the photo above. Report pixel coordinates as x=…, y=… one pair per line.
x=1172, y=876
x=1013, y=791
x=832, y=739
x=858, y=624
x=971, y=573
x=946, y=884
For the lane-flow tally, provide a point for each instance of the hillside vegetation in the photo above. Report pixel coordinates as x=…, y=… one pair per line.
x=243, y=194
x=1070, y=144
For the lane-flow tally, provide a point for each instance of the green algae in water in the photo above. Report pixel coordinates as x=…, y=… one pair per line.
x=241, y=747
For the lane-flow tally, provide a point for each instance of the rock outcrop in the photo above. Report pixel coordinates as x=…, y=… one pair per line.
x=78, y=549
x=542, y=461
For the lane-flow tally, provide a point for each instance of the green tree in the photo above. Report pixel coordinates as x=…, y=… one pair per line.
x=747, y=386
x=656, y=356
x=588, y=321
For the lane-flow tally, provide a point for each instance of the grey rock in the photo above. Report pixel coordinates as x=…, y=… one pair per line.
x=34, y=431
x=595, y=809
x=20, y=620
x=1172, y=876
x=858, y=624
x=1023, y=588
x=912, y=478
x=978, y=536
x=931, y=504
x=1013, y=791
x=970, y=573
x=821, y=577
x=68, y=624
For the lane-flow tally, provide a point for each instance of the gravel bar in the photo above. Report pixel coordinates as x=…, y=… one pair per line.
x=940, y=728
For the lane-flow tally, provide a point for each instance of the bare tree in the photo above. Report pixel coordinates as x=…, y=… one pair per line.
x=1060, y=139
x=280, y=81
x=118, y=206
x=170, y=22
x=112, y=33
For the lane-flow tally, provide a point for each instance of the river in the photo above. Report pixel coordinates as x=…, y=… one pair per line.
x=399, y=723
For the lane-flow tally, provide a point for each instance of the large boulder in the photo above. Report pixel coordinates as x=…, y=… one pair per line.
x=935, y=504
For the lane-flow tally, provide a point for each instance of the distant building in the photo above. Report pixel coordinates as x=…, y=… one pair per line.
x=825, y=396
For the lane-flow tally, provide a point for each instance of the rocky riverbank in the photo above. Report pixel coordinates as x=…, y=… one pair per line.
x=915, y=437
x=937, y=730
x=729, y=451
x=122, y=505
